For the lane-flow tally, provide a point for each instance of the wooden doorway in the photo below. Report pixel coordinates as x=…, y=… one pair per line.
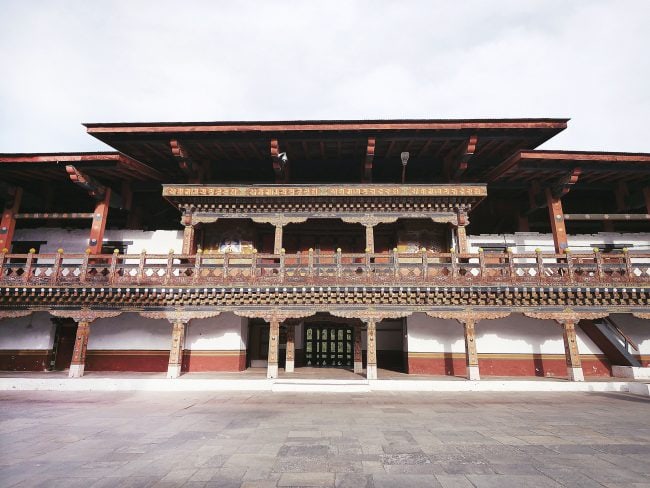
x=64, y=338
x=329, y=346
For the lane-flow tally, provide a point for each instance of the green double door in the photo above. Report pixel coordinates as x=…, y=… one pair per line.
x=330, y=346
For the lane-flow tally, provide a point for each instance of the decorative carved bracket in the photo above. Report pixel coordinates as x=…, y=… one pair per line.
x=279, y=220
x=192, y=169
x=566, y=316
x=456, y=164
x=370, y=314
x=84, y=315
x=565, y=184
x=269, y=315
x=642, y=315
x=369, y=220
x=14, y=314
x=94, y=188
x=367, y=163
x=179, y=315
x=468, y=315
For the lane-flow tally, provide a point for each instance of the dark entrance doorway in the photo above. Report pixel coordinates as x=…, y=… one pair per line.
x=328, y=345
x=65, y=335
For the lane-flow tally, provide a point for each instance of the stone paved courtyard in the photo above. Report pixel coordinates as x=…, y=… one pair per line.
x=53, y=439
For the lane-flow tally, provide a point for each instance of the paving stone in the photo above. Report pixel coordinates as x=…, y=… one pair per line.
x=256, y=439
x=307, y=479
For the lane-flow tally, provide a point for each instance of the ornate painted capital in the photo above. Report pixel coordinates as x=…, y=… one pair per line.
x=13, y=314
x=371, y=314
x=369, y=220
x=84, y=315
x=567, y=316
x=445, y=219
x=273, y=315
x=199, y=218
x=179, y=315
x=465, y=316
x=279, y=220
x=639, y=315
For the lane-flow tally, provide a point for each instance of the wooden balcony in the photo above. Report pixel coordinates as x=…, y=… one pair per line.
x=314, y=269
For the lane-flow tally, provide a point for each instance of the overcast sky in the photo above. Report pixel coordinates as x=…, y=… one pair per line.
x=67, y=62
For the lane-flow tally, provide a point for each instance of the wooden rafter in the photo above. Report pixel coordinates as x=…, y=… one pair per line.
x=457, y=162
x=367, y=163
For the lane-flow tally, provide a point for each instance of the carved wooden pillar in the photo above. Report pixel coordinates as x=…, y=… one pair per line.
x=100, y=215
x=371, y=366
x=291, y=348
x=78, y=363
x=274, y=339
x=8, y=222
x=573, y=362
x=461, y=232
x=370, y=238
x=556, y=215
x=176, y=350
x=189, y=238
x=277, y=241
x=358, y=360
x=471, y=356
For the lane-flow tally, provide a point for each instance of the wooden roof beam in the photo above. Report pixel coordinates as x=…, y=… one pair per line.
x=456, y=163
x=367, y=163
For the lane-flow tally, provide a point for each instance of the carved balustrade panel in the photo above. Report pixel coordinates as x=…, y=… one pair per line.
x=436, y=269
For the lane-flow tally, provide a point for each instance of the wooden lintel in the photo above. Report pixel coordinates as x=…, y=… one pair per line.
x=565, y=184
x=367, y=163
x=54, y=216
x=456, y=163
x=610, y=217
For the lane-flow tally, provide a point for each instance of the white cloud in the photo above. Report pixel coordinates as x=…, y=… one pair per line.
x=68, y=62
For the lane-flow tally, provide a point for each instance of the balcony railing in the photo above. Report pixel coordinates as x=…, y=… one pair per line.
x=312, y=268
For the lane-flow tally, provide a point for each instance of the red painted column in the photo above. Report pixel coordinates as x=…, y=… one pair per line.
x=556, y=215
x=99, y=224
x=78, y=363
x=8, y=222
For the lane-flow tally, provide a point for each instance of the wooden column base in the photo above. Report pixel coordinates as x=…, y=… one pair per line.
x=473, y=373
x=272, y=370
x=76, y=370
x=358, y=367
x=173, y=371
x=371, y=372
x=575, y=374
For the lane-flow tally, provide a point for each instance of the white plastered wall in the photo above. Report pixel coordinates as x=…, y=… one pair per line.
x=76, y=240
x=225, y=332
x=530, y=241
x=130, y=331
x=515, y=334
x=34, y=331
x=636, y=329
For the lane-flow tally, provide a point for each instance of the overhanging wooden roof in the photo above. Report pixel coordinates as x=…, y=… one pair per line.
x=592, y=166
x=429, y=141
x=106, y=166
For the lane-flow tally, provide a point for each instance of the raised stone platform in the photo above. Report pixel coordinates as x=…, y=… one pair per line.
x=256, y=381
